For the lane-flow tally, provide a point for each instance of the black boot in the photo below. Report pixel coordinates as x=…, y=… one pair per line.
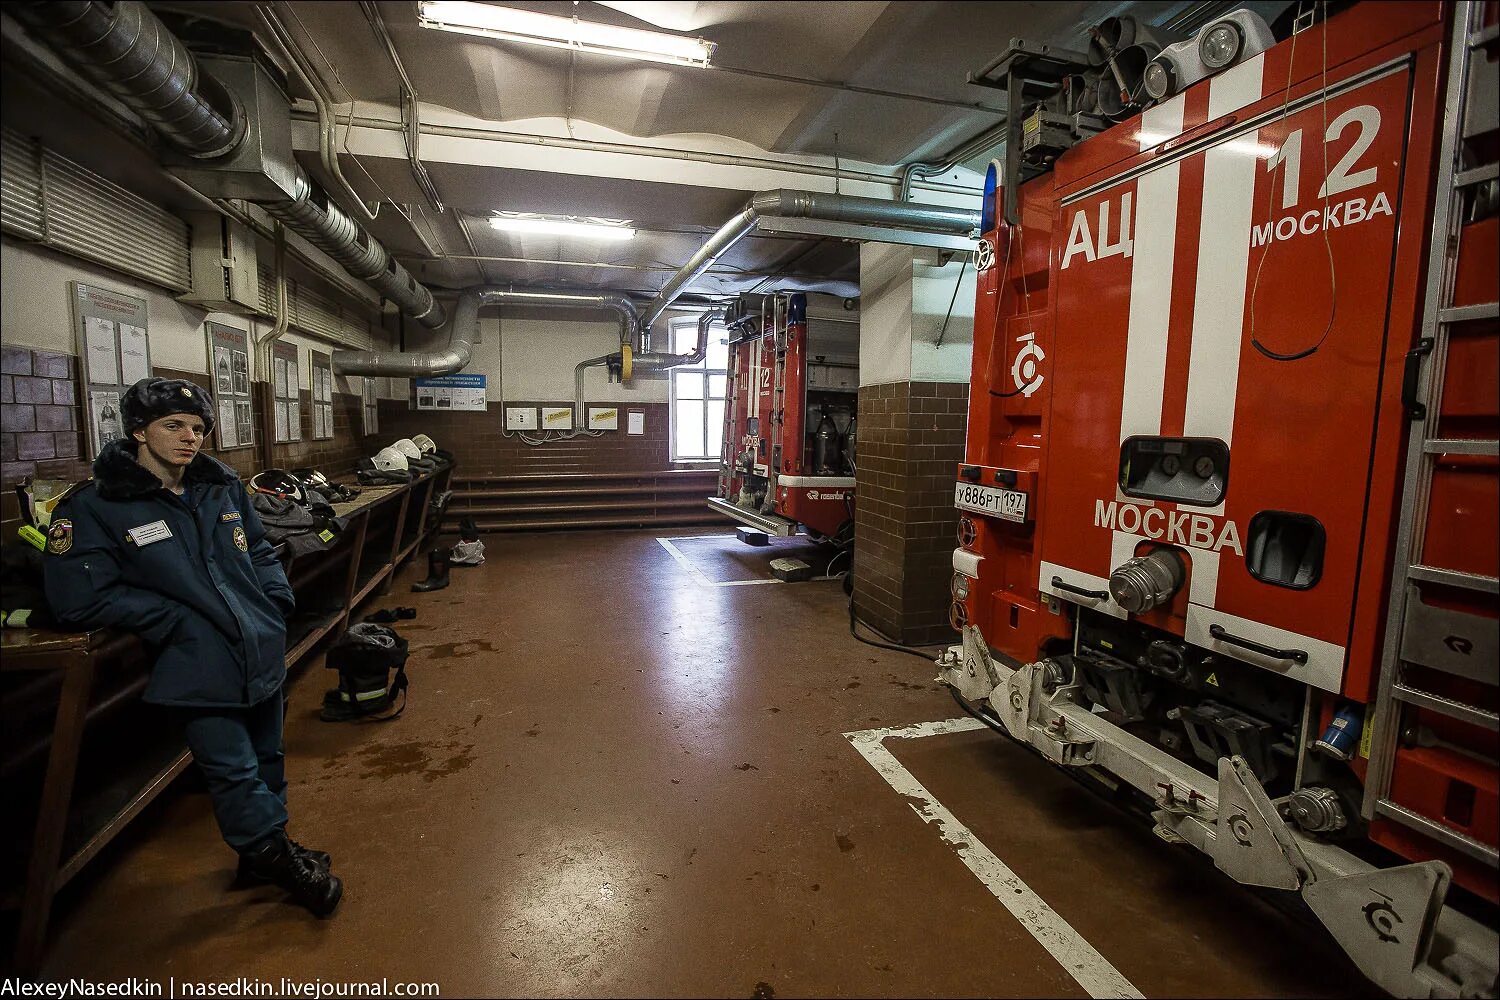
x=247, y=875
x=437, y=571
x=275, y=860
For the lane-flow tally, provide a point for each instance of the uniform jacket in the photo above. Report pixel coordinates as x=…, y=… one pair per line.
x=211, y=596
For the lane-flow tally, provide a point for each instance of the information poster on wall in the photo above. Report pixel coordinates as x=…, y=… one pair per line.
x=115, y=353
x=229, y=360
x=451, y=392
x=287, y=417
x=322, y=394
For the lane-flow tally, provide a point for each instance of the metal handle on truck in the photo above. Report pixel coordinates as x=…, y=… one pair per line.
x=1093, y=595
x=1415, y=410
x=1295, y=655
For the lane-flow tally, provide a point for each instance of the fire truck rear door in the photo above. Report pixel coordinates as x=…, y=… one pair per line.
x=1221, y=330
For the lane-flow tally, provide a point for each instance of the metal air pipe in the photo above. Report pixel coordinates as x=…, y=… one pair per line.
x=650, y=362
x=126, y=50
x=317, y=217
x=133, y=56
x=808, y=205
x=464, y=331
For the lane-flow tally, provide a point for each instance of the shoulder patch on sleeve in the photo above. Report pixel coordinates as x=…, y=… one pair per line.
x=60, y=536
x=230, y=515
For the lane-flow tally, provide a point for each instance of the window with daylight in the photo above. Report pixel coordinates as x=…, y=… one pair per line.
x=698, y=393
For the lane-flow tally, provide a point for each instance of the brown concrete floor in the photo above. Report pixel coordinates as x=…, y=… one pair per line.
x=612, y=780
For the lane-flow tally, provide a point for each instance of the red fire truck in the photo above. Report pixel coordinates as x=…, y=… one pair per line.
x=789, y=420
x=1230, y=499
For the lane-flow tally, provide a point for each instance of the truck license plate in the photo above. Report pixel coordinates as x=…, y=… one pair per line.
x=1007, y=504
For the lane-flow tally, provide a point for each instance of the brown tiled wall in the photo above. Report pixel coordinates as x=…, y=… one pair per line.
x=480, y=446
x=911, y=435
x=40, y=434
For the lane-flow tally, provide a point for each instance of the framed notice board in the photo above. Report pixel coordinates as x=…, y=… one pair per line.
x=114, y=353
x=229, y=360
x=285, y=383
x=322, y=394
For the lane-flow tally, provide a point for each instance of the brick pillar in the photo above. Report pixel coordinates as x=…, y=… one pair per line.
x=911, y=435
x=913, y=406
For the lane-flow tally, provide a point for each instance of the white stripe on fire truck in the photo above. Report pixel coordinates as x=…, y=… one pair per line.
x=1223, y=265
x=1151, y=270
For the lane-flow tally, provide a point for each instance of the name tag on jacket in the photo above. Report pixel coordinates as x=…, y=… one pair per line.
x=148, y=533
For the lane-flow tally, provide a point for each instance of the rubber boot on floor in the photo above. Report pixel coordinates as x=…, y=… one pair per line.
x=437, y=571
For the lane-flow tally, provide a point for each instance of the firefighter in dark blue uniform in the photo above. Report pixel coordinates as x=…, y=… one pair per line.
x=163, y=542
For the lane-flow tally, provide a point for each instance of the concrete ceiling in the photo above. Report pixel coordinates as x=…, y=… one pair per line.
x=826, y=95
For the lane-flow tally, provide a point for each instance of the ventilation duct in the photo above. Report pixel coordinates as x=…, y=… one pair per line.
x=312, y=214
x=127, y=51
x=646, y=364
x=133, y=56
x=808, y=205
x=651, y=363
x=464, y=331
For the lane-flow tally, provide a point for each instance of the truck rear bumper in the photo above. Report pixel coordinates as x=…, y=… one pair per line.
x=771, y=524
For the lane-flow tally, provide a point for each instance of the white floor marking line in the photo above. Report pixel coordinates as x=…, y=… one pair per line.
x=698, y=575
x=1089, y=968
x=685, y=562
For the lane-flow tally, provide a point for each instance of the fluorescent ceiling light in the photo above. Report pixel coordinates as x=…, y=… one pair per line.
x=562, y=32
x=589, y=230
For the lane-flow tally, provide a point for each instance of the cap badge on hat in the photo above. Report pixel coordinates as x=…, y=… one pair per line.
x=187, y=392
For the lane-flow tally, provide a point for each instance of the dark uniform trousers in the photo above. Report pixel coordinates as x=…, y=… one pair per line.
x=239, y=752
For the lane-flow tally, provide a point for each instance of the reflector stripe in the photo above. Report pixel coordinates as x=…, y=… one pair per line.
x=1155, y=250
x=1223, y=263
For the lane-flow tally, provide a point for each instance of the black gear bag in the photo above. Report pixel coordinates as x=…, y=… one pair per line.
x=364, y=656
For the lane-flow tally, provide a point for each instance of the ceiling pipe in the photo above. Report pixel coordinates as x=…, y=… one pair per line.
x=278, y=33
x=914, y=170
x=132, y=55
x=807, y=205
x=661, y=362
x=319, y=219
x=126, y=50
x=464, y=331
x=645, y=362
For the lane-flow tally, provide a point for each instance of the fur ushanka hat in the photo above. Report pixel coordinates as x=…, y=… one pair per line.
x=153, y=398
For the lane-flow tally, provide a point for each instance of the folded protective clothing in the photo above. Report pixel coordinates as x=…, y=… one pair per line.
x=287, y=521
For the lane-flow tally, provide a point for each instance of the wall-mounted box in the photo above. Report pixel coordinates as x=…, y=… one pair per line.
x=520, y=418
x=223, y=262
x=557, y=418
x=604, y=418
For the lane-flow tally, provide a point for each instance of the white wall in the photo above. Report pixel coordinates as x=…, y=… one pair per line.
x=905, y=298
x=932, y=291
x=885, y=286
x=35, y=312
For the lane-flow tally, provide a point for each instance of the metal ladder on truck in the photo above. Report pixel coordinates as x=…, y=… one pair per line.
x=1421, y=636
